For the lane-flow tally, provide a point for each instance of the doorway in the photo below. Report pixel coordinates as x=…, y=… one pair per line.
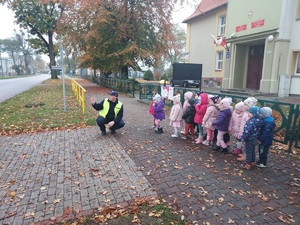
x=255, y=65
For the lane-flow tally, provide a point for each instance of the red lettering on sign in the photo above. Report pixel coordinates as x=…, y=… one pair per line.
x=258, y=23
x=241, y=28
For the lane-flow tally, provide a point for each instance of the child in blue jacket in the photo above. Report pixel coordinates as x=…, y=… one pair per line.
x=251, y=133
x=266, y=138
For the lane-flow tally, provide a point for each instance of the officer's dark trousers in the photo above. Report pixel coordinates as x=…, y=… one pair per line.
x=101, y=121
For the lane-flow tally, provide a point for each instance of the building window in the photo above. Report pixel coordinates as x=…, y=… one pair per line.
x=297, y=64
x=219, y=60
x=221, y=25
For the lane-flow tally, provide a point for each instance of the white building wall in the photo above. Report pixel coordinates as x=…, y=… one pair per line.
x=201, y=49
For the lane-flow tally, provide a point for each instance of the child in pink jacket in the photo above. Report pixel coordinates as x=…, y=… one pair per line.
x=235, y=125
x=209, y=117
x=201, y=108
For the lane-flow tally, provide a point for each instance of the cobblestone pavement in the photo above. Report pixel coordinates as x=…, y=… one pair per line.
x=207, y=186
x=43, y=175
x=50, y=174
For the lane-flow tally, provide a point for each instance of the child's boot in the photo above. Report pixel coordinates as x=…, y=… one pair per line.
x=174, y=135
x=159, y=131
x=199, y=140
x=224, y=150
x=242, y=158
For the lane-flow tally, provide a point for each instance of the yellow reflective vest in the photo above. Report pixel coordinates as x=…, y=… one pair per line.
x=105, y=109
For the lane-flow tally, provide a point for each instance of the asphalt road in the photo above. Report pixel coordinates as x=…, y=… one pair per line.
x=12, y=87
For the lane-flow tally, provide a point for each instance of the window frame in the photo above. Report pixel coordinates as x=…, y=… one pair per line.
x=221, y=25
x=297, y=63
x=219, y=60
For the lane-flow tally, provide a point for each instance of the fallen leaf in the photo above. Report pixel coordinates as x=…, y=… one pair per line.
x=11, y=194
x=230, y=221
x=56, y=201
x=81, y=173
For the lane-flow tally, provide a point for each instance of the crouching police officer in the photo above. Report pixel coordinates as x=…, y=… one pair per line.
x=110, y=113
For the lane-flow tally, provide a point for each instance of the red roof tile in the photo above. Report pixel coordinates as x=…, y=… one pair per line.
x=206, y=6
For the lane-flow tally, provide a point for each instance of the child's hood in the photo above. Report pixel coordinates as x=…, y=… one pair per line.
x=204, y=99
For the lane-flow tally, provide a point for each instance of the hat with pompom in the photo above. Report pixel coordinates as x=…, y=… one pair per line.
x=254, y=110
x=157, y=97
x=266, y=112
x=240, y=106
x=251, y=101
x=188, y=95
x=226, y=102
x=214, y=99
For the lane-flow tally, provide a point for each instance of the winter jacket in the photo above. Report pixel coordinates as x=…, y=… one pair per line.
x=252, y=129
x=110, y=116
x=159, y=112
x=176, y=112
x=267, y=132
x=235, y=124
x=210, y=116
x=243, y=122
x=222, y=121
x=189, y=114
x=201, y=108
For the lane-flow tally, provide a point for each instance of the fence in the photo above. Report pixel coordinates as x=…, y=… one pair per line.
x=286, y=115
x=124, y=86
x=79, y=93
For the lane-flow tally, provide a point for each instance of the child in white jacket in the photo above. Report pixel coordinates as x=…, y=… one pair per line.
x=176, y=115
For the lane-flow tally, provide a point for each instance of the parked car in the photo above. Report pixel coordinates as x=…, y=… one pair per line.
x=186, y=83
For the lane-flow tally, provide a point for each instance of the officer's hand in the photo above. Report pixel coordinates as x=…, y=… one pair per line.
x=111, y=123
x=93, y=100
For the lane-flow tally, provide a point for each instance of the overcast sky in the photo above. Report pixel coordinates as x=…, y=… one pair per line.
x=7, y=17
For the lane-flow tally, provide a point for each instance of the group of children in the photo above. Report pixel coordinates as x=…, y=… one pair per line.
x=216, y=120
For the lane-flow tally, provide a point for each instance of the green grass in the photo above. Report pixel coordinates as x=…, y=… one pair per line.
x=42, y=108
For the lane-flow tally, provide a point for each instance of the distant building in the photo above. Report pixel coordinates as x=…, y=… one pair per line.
x=6, y=67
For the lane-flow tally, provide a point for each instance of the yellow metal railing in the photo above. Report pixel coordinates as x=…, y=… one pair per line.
x=79, y=93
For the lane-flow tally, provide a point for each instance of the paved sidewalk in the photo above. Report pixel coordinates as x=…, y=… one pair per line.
x=46, y=175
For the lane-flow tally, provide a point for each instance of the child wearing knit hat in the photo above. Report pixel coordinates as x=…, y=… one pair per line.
x=266, y=137
x=188, y=117
x=187, y=96
x=201, y=108
x=222, y=123
x=250, y=135
x=235, y=125
x=248, y=102
x=176, y=115
x=209, y=117
x=159, y=112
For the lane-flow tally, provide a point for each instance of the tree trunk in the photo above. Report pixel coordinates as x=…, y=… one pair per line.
x=124, y=72
x=26, y=64
x=52, y=55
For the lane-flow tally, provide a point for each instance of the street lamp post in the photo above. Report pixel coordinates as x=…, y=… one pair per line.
x=62, y=74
